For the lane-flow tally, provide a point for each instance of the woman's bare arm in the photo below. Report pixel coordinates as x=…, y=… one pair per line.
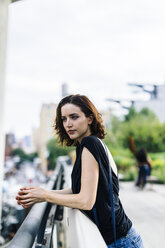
x=62, y=191
x=85, y=199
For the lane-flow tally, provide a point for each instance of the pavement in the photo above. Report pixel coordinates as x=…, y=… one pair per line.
x=146, y=209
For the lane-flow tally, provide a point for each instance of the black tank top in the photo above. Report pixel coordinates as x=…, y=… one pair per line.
x=103, y=206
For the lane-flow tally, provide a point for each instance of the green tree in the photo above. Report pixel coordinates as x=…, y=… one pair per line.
x=24, y=156
x=144, y=128
x=131, y=114
x=54, y=151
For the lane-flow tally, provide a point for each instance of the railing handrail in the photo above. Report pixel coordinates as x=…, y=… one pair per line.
x=27, y=232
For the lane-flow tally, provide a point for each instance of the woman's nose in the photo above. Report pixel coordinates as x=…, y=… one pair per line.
x=69, y=123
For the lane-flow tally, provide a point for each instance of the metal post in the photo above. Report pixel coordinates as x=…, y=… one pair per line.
x=3, y=41
x=3, y=44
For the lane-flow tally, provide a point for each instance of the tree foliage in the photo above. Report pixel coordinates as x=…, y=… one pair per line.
x=24, y=156
x=143, y=127
x=54, y=151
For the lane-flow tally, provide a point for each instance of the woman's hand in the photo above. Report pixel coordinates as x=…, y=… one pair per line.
x=28, y=196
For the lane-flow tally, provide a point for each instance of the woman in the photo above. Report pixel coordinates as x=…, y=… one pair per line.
x=78, y=123
x=144, y=167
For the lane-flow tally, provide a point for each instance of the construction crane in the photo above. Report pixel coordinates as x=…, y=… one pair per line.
x=121, y=102
x=151, y=89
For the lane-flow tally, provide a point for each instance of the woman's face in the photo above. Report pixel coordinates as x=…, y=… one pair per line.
x=75, y=123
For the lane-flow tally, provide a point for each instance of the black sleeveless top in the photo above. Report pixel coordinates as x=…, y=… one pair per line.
x=103, y=206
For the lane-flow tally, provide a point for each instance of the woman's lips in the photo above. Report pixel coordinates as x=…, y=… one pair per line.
x=71, y=131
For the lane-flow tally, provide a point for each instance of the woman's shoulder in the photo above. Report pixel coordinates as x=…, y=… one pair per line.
x=90, y=139
x=93, y=144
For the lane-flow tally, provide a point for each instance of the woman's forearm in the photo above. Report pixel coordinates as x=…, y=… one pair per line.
x=29, y=196
x=62, y=191
x=68, y=200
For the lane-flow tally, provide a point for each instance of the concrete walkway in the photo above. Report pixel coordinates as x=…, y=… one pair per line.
x=146, y=208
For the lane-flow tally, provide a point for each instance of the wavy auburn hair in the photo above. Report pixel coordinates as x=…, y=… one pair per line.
x=88, y=108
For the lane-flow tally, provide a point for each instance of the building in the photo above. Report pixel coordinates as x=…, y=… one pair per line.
x=26, y=144
x=47, y=116
x=156, y=104
x=64, y=90
x=106, y=117
x=9, y=144
x=35, y=139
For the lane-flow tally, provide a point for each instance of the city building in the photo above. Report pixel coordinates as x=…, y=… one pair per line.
x=106, y=117
x=64, y=89
x=156, y=103
x=47, y=116
x=35, y=139
x=26, y=144
x=9, y=144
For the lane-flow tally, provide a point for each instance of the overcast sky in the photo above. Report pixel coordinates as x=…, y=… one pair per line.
x=97, y=47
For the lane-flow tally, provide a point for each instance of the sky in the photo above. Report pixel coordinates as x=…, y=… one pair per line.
x=96, y=47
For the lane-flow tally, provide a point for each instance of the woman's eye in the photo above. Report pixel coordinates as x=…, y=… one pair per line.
x=63, y=119
x=74, y=117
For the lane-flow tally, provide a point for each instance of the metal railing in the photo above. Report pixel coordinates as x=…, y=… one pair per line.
x=37, y=228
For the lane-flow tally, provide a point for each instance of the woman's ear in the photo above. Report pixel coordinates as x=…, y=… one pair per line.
x=90, y=119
